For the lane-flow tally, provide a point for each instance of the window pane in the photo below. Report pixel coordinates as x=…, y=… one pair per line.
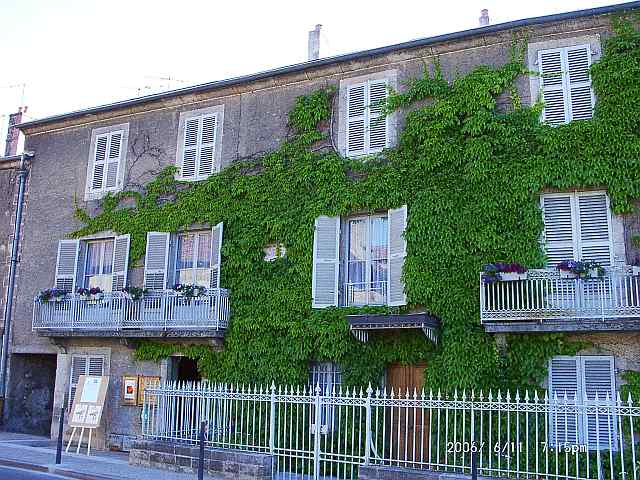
x=379, y=238
x=357, y=239
x=93, y=259
x=202, y=277
x=204, y=250
x=108, y=257
x=185, y=251
x=185, y=276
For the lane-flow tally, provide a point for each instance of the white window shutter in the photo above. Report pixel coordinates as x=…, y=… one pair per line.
x=594, y=227
x=598, y=377
x=326, y=258
x=580, y=93
x=356, y=118
x=206, y=165
x=378, y=134
x=397, y=254
x=216, y=247
x=156, y=260
x=551, y=65
x=96, y=366
x=120, y=262
x=559, y=236
x=99, y=162
x=78, y=367
x=564, y=382
x=113, y=160
x=67, y=265
x=190, y=148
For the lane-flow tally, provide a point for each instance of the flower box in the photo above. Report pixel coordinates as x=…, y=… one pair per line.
x=512, y=276
x=567, y=274
x=593, y=273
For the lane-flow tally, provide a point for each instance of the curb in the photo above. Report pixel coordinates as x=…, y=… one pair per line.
x=53, y=469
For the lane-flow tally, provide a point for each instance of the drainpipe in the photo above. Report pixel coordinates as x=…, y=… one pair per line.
x=22, y=178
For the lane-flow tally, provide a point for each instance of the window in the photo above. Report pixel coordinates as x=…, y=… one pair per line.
x=193, y=264
x=189, y=257
x=83, y=365
x=99, y=265
x=363, y=129
x=577, y=226
x=366, y=262
x=566, y=83
x=105, y=171
x=580, y=379
x=359, y=260
x=199, y=143
x=328, y=377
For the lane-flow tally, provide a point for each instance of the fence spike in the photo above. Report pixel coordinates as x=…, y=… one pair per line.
x=517, y=398
x=415, y=393
x=369, y=390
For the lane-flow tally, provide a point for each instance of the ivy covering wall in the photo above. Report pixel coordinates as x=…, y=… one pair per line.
x=471, y=176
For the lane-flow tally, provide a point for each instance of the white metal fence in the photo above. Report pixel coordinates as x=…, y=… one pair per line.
x=548, y=295
x=516, y=436
x=158, y=310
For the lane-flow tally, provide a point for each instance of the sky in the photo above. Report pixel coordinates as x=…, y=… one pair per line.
x=73, y=54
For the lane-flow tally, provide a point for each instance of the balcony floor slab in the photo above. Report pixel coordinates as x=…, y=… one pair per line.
x=572, y=325
x=177, y=333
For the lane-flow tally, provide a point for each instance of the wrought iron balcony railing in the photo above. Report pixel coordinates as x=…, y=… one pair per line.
x=163, y=311
x=553, y=298
x=365, y=293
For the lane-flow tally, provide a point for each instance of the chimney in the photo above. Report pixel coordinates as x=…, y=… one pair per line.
x=13, y=134
x=484, y=17
x=314, y=43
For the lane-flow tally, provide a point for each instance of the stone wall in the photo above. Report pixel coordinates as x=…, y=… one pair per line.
x=396, y=473
x=219, y=463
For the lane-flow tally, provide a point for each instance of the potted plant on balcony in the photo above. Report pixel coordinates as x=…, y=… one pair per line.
x=189, y=291
x=135, y=293
x=504, y=272
x=93, y=295
x=580, y=269
x=54, y=295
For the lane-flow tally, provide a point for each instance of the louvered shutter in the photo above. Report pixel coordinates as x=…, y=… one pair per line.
x=564, y=424
x=156, y=260
x=67, y=265
x=356, y=118
x=99, y=162
x=559, y=236
x=397, y=254
x=206, y=164
x=113, y=160
x=553, y=86
x=326, y=257
x=120, y=262
x=578, y=80
x=216, y=247
x=83, y=365
x=377, y=122
x=598, y=377
x=78, y=367
x=594, y=223
x=190, y=148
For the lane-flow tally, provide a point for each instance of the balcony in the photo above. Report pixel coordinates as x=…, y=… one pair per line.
x=549, y=301
x=158, y=314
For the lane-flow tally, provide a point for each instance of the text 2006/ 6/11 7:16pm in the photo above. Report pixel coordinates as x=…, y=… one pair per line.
x=511, y=447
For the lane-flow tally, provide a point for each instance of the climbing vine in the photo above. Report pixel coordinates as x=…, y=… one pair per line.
x=471, y=174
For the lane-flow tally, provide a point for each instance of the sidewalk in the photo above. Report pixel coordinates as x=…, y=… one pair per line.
x=39, y=454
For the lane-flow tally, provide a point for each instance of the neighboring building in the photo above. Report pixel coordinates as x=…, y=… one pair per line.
x=358, y=260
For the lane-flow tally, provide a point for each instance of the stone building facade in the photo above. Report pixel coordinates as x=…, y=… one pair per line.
x=251, y=118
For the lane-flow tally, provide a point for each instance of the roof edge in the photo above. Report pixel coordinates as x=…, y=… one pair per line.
x=294, y=68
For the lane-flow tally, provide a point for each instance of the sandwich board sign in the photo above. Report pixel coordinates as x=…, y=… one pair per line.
x=86, y=411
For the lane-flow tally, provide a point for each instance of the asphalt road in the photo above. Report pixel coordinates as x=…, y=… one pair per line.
x=9, y=473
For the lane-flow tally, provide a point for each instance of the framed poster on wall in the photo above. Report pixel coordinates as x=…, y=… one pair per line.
x=130, y=390
x=145, y=382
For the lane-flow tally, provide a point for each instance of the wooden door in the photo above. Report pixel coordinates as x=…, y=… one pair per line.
x=407, y=427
